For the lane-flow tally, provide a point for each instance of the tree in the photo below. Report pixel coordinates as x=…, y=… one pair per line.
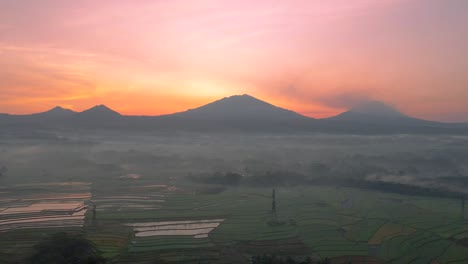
x=324, y=261
x=3, y=171
x=63, y=248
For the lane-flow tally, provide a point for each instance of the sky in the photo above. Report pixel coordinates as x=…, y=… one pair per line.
x=318, y=58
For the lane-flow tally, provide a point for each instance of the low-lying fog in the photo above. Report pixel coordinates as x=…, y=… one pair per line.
x=436, y=162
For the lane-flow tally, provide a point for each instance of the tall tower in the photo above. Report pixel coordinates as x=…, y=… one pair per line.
x=273, y=203
x=463, y=197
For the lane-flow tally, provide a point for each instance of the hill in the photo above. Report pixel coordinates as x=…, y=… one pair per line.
x=240, y=107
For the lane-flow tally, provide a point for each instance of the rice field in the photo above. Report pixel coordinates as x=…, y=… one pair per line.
x=55, y=205
x=389, y=231
x=195, y=228
x=138, y=221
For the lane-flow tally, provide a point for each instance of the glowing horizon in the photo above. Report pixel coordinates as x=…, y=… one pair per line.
x=318, y=58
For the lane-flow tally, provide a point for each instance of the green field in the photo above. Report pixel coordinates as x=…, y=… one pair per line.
x=310, y=221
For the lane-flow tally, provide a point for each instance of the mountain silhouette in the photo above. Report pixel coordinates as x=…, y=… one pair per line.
x=99, y=111
x=375, y=112
x=376, y=108
x=56, y=112
x=234, y=113
x=240, y=107
x=238, y=113
x=97, y=117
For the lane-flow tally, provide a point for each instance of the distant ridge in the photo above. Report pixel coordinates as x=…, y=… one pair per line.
x=237, y=113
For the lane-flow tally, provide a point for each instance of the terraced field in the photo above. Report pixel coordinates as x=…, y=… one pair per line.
x=29, y=212
x=45, y=207
x=139, y=221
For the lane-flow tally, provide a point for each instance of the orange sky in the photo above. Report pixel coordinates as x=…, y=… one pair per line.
x=155, y=57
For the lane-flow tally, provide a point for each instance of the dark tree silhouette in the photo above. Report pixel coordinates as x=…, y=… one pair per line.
x=63, y=248
x=272, y=259
x=3, y=171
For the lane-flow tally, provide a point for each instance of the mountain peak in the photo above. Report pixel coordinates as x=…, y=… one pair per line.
x=100, y=107
x=242, y=96
x=57, y=108
x=242, y=99
x=376, y=108
x=57, y=111
x=238, y=107
x=100, y=110
x=373, y=112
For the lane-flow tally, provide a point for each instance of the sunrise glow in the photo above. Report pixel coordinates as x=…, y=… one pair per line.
x=315, y=57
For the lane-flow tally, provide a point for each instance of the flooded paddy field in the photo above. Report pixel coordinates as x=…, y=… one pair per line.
x=54, y=205
x=195, y=228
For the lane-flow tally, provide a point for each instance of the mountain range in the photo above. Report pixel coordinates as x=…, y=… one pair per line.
x=238, y=113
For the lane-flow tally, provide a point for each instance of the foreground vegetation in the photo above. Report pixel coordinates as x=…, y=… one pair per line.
x=62, y=248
